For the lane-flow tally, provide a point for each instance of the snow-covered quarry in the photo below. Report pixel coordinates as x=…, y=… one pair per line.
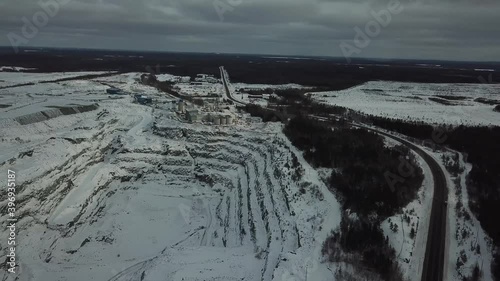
x=108, y=189
x=431, y=103
x=130, y=192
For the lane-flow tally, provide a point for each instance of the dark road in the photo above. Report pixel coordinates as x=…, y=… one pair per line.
x=435, y=249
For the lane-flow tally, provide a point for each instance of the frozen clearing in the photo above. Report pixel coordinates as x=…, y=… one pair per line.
x=431, y=103
x=8, y=79
x=129, y=192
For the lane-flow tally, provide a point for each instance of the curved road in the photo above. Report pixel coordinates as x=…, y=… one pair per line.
x=433, y=268
x=434, y=253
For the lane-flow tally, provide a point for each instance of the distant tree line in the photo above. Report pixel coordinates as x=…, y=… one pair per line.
x=267, y=115
x=332, y=72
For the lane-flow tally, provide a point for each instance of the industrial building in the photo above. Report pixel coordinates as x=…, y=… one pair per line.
x=143, y=99
x=207, y=109
x=181, y=106
x=115, y=91
x=206, y=78
x=221, y=119
x=216, y=120
x=193, y=115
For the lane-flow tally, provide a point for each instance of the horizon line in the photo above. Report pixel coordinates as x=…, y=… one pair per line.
x=253, y=54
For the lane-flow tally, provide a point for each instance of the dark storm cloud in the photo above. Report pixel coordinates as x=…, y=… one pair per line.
x=438, y=29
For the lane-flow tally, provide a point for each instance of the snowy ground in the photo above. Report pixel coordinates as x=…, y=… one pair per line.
x=204, y=89
x=129, y=192
x=172, y=78
x=468, y=244
x=14, y=78
x=244, y=97
x=413, y=101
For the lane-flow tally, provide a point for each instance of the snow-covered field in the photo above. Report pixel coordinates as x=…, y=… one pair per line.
x=129, y=192
x=204, y=89
x=8, y=79
x=415, y=101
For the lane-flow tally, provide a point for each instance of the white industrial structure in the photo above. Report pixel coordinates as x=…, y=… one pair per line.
x=212, y=109
x=217, y=120
x=193, y=115
x=181, y=107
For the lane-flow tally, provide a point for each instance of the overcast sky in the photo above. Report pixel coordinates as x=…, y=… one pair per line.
x=422, y=29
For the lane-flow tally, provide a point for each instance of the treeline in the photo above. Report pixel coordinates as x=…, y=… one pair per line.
x=331, y=72
x=267, y=115
x=360, y=162
x=299, y=102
